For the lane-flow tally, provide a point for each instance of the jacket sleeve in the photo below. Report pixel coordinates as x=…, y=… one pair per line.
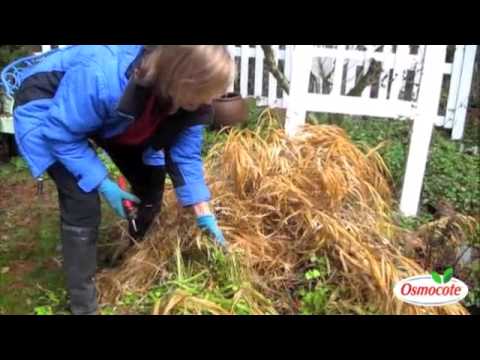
x=77, y=110
x=185, y=166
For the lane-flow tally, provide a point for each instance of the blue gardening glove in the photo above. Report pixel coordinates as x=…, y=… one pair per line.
x=209, y=224
x=115, y=196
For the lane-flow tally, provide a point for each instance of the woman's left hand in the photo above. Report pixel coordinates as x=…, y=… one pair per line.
x=209, y=224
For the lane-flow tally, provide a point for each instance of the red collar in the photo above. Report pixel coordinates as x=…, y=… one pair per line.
x=144, y=127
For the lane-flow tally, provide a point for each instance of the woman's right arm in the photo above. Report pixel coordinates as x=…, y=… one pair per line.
x=78, y=109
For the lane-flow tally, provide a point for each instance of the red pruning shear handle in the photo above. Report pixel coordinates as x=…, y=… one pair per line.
x=129, y=206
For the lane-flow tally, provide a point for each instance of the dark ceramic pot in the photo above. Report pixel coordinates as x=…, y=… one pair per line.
x=230, y=110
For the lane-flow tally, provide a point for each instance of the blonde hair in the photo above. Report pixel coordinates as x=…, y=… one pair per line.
x=187, y=71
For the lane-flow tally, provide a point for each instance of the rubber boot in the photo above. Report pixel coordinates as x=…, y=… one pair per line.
x=80, y=264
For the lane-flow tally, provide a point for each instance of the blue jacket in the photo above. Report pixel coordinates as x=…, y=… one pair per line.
x=80, y=92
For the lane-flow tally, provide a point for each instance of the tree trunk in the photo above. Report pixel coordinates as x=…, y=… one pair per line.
x=369, y=78
x=272, y=67
x=475, y=95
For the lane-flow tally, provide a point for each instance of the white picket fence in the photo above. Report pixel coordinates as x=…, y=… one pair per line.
x=396, y=97
x=253, y=78
x=410, y=87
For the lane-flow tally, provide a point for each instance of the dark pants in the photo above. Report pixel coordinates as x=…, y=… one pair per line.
x=81, y=216
x=78, y=208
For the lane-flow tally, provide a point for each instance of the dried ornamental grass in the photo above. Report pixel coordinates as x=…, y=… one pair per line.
x=279, y=200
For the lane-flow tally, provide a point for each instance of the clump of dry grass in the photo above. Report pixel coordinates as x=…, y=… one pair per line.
x=280, y=200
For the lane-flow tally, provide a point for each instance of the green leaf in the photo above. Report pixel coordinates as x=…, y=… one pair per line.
x=312, y=274
x=43, y=310
x=436, y=277
x=447, y=275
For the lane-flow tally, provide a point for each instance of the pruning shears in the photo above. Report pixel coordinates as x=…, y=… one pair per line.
x=129, y=206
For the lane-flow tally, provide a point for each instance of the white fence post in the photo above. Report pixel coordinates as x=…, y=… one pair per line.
x=301, y=68
x=46, y=48
x=422, y=128
x=287, y=71
x=418, y=68
x=399, y=69
x=232, y=50
x=272, y=82
x=464, y=92
x=259, y=60
x=454, y=85
x=244, y=59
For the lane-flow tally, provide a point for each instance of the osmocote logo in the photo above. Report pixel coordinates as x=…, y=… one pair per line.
x=431, y=290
